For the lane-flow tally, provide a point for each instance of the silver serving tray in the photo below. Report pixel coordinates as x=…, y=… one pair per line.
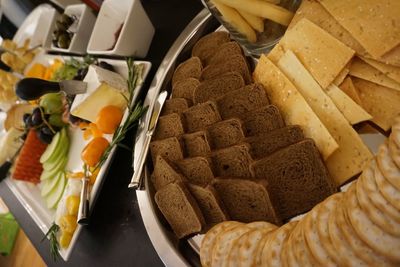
x=171, y=250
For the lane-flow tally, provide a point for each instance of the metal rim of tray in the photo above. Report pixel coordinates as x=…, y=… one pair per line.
x=171, y=251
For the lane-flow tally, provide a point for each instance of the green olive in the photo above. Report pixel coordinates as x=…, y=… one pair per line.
x=63, y=41
x=65, y=19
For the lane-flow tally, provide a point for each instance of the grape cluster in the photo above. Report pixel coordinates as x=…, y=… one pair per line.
x=46, y=119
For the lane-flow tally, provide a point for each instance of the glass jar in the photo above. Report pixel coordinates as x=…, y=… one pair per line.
x=267, y=39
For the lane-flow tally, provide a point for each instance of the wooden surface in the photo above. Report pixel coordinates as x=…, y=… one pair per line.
x=23, y=254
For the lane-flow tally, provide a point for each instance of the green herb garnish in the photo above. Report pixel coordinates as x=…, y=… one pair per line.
x=135, y=112
x=54, y=245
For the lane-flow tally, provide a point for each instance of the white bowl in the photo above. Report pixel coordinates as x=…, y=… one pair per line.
x=129, y=19
x=80, y=39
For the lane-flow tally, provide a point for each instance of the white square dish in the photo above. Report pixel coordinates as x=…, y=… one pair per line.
x=79, y=41
x=122, y=28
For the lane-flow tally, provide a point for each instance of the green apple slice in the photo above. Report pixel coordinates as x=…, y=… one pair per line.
x=52, y=148
x=59, y=163
x=49, y=184
x=49, y=174
x=54, y=196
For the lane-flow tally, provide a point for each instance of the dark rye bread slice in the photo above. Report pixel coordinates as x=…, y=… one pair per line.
x=200, y=116
x=246, y=200
x=232, y=161
x=190, y=68
x=218, y=86
x=180, y=209
x=262, y=120
x=196, y=144
x=175, y=105
x=265, y=144
x=206, y=46
x=233, y=63
x=169, y=148
x=185, y=89
x=226, y=133
x=169, y=126
x=224, y=52
x=237, y=103
x=164, y=174
x=197, y=170
x=297, y=178
x=210, y=204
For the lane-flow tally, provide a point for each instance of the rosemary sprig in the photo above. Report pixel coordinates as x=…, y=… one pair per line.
x=54, y=245
x=135, y=112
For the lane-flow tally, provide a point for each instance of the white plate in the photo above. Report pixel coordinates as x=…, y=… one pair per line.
x=29, y=194
x=35, y=26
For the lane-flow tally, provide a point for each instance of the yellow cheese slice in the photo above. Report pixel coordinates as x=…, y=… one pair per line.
x=364, y=71
x=353, y=112
x=293, y=106
x=342, y=75
x=352, y=155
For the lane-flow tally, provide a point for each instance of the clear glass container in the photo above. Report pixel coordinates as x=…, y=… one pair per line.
x=267, y=39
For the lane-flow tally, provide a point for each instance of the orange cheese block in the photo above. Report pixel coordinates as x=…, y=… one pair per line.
x=28, y=167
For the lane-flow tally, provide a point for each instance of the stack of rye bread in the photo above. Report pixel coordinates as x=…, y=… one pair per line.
x=222, y=152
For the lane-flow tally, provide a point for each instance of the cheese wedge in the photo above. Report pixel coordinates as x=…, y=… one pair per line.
x=353, y=112
x=352, y=155
x=104, y=88
x=293, y=106
x=364, y=71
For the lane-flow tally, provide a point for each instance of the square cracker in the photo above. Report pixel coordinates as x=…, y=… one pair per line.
x=291, y=103
x=375, y=24
x=317, y=14
x=363, y=70
x=347, y=87
x=322, y=55
x=390, y=71
x=379, y=101
x=352, y=155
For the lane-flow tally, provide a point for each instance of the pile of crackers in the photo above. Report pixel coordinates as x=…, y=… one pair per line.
x=337, y=65
x=359, y=227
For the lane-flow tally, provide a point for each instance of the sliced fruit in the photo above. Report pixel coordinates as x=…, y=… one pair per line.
x=51, y=149
x=58, y=164
x=54, y=196
x=49, y=174
x=49, y=184
x=61, y=150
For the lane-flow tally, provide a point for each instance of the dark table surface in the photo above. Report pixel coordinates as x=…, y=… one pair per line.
x=116, y=235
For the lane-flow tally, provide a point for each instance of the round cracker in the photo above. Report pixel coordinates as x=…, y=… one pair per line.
x=396, y=131
x=291, y=259
x=369, y=184
x=360, y=248
x=376, y=238
x=286, y=256
x=233, y=255
x=209, y=240
x=347, y=255
x=324, y=211
x=267, y=236
x=394, y=150
x=389, y=192
x=271, y=252
x=382, y=220
x=313, y=241
x=248, y=247
x=387, y=166
x=300, y=249
x=224, y=242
